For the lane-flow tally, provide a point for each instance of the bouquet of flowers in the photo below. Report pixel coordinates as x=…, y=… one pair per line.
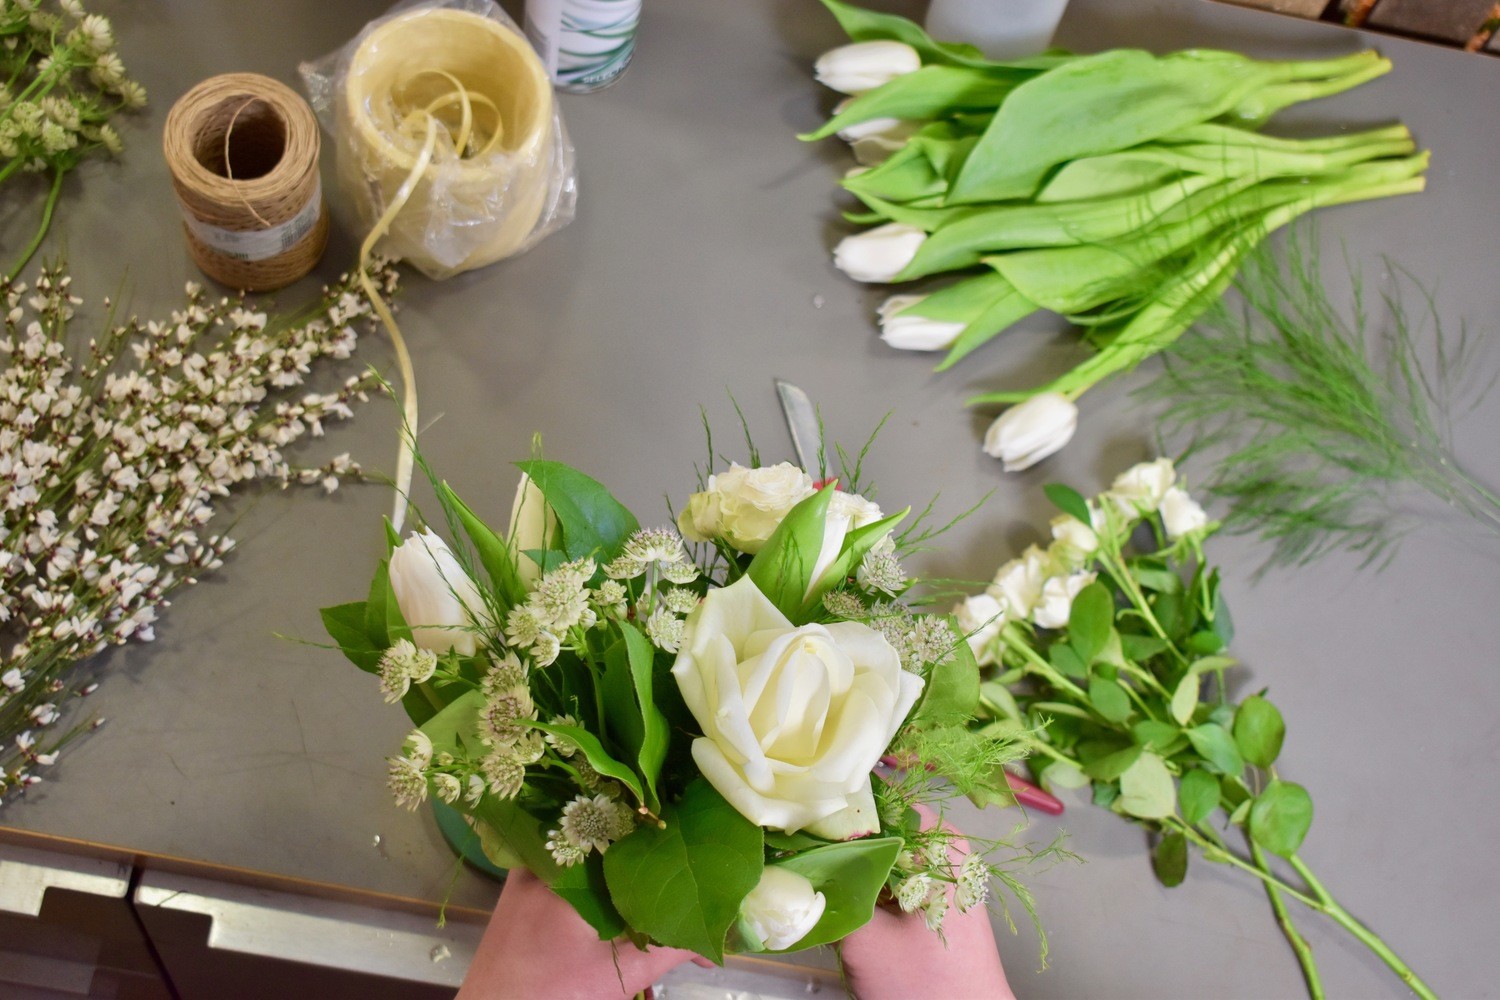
x=1109, y=658
x=678, y=730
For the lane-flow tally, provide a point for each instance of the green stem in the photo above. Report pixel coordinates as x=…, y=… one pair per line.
x=1229, y=857
x=1294, y=937
x=36, y=241
x=9, y=169
x=1042, y=667
x=1367, y=937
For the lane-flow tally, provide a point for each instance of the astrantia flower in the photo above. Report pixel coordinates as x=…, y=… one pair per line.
x=843, y=604
x=506, y=672
x=500, y=715
x=446, y=787
x=680, y=600
x=973, y=883
x=564, y=851
x=912, y=892
x=403, y=665
x=655, y=545
x=546, y=649
x=665, y=630
x=624, y=568
x=407, y=781
x=523, y=625
x=564, y=745
x=881, y=571
x=610, y=598
x=503, y=773
x=935, y=910
x=592, y=824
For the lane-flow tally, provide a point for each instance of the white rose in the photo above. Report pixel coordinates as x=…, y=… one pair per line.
x=743, y=506
x=862, y=66
x=1018, y=584
x=1056, y=603
x=1030, y=431
x=1181, y=514
x=436, y=597
x=1073, y=535
x=1140, y=489
x=879, y=254
x=903, y=329
x=780, y=910
x=532, y=525
x=981, y=618
x=793, y=719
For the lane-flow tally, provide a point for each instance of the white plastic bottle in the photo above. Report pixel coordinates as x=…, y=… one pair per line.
x=585, y=44
x=1002, y=29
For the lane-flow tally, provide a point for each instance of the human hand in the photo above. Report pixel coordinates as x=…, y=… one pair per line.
x=895, y=956
x=536, y=945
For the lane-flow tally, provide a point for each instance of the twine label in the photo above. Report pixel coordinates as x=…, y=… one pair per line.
x=259, y=244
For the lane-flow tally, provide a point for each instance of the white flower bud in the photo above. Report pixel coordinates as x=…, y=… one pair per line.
x=781, y=910
x=436, y=597
x=1028, y=432
x=981, y=618
x=1140, y=489
x=862, y=66
x=1056, y=605
x=1181, y=514
x=879, y=254
x=909, y=331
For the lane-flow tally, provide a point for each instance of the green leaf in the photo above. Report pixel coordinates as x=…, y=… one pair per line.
x=1141, y=648
x=776, y=840
x=1162, y=737
x=1203, y=643
x=630, y=706
x=863, y=25
x=1223, y=623
x=929, y=92
x=1170, y=860
x=783, y=568
x=583, y=887
x=856, y=545
x=1259, y=731
x=593, y=522
x=1068, y=500
x=1091, y=620
x=1155, y=578
x=1110, y=767
x=850, y=876
x=1205, y=664
x=1280, y=817
x=345, y=624
x=952, y=693
x=1216, y=746
x=594, y=751
x=1197, y=796
x=1109, y=699
x=1067, y=661
x=1146, y=789
x=1060, y=775
x=683, y=884
x=457, y=725
x=494, y=554
x=1185, y=699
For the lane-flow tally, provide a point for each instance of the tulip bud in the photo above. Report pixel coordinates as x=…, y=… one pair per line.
x=780, y=911
x=862, y=66
x=1181, y=514
x=1028, y=432
x=875, y=139
x=878, y=254
x=905, y=329
x=532, y=525
x=436, y=597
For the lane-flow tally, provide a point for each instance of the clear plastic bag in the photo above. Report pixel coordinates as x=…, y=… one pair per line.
x=394, y=97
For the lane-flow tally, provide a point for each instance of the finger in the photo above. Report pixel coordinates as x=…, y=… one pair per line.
x=640, y=969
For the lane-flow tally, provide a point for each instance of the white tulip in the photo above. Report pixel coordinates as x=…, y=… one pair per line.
x=1028, y=432
x=980, y=618
x=1139, y=490
x=1056, y=604
x=879, y=254
x=436, y=597
x=780, y=910
x=793, y=719
x=909, y=331
x=875, y=139
x=1181, y=514
x=532, y=525
x=846, y=512
x=862, y=66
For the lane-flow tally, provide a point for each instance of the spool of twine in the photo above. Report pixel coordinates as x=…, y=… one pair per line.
x=243, y=152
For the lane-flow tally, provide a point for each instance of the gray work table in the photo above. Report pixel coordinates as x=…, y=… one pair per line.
x=698, y=264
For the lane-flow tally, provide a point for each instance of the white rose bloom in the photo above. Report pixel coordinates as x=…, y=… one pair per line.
x=1018, y=584
x=862, y=66
x=532, y=525
x=794, y=718
x=879, y=254
x=1181, y=514
x=780, y=910
x=980, y=617
x=1056, y=604
x=1030, y=431
x=910, y=332
x=743, y=506
x=1074, y=535
x=436, y=597
x=1139, y=490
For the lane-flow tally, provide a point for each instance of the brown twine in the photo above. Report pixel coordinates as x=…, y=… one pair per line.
x=243, y=152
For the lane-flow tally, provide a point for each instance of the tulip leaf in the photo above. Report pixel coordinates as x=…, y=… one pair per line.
x=850, y=876
x=494, y=554
x=593, y=522
x=1146, y=790
x=867, y=25
x=630, y=706
x=783, y=568
x=1197, y=796
x=345, y=624
x=682, y=883
x=930, y=92
x=594, y=751
x=1259, y=731
x=1004, y=312
x=456, y=726
x=857, y=544
x=1280, y=817
x=1170, y=860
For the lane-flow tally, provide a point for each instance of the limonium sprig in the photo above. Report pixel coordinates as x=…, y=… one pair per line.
x=1108, y=653
x=113, y=460
x=61, y=82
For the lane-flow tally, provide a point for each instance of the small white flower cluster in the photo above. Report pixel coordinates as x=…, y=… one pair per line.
x=403, y=665
x=658, y=556
x=589, y=824
x=559, y=604
x=925, y=889
x=1039, y=585
x=110, y=464
x=920, y=640
x=56, y=107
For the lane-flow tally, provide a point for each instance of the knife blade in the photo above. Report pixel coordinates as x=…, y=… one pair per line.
x=801, y=421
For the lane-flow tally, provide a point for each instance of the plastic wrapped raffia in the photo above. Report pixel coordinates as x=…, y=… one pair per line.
x=442, y=108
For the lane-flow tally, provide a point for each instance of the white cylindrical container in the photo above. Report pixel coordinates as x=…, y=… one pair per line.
x=585, y=44
x=1002, y=29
